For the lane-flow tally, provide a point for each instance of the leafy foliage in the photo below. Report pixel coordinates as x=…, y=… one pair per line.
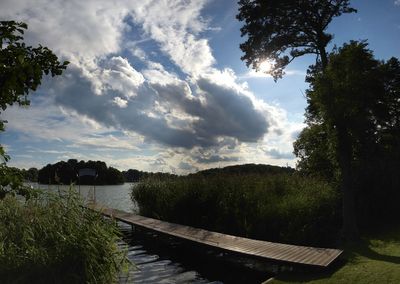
x=133, y=175
x=246, y=169
x=21, y=71
x=275, y=207
x=66, y=173
x=315, y=153
x=21, y=66
x=52, y=239
x=11, y=183
x=282, y=30
x=361, y=96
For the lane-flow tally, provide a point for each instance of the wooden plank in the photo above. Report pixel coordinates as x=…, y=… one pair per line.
x=268, y=250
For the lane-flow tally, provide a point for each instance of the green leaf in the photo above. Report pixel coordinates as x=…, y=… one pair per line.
x=21, y=59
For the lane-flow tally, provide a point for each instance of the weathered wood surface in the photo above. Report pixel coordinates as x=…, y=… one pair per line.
x=268, y=250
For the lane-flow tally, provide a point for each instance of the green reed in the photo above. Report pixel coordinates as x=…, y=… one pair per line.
x=280, y=207
x=53, y=239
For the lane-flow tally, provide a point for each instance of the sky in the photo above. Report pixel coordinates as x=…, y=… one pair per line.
x=158, y=85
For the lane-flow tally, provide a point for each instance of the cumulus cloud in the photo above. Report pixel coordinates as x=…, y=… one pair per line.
x=397, y=2
x=111, y=91
x=120, y=76
x=216, y=159
x=120, y=102
x=168, y=113
x=175, y=25
x=191, y=105
x=77, y=29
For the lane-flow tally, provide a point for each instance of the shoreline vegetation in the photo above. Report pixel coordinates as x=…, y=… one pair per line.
x=257, y=201
x=51, y=238
x=67, y=173
x=280, y=205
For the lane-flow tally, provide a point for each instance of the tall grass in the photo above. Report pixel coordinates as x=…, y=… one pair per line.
x=281, y=207
x=53, y=239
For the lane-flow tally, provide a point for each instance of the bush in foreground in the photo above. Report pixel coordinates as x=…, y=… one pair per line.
x=52, y=239
x=282, y=207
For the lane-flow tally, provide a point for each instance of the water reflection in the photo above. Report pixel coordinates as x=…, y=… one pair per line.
x=164, y=262
x=114, y=196
x=154, y=266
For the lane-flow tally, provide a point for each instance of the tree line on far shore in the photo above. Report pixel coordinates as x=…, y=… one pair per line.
x=67, y=173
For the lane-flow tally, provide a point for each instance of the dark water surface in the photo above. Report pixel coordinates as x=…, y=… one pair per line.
x=159, y=259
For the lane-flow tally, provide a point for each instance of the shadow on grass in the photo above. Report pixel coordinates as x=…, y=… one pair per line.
x=351, y=255
x=310, y=274
x=364, y=249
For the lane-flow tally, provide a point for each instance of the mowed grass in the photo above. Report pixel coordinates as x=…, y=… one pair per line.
x=374, y=260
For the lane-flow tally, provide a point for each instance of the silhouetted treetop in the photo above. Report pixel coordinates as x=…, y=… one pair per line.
x=245, y=169
x=21, y=66
x=282, y=30
x=67, y=173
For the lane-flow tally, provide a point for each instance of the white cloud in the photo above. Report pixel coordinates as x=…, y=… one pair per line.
x=76, y=29
x=172, y=113
x=397, y=2
x=102, y=91
x=120, y=76
x=87, y=30
x=45, y=121
x=175, y=24
x=120, y=102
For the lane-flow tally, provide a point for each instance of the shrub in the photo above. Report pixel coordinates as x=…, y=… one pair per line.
x=53, y=239
x=282, y=207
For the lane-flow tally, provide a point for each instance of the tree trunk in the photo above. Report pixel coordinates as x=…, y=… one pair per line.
x=349, y=230
x=324, y=58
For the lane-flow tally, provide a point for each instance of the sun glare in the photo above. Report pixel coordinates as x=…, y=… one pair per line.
x=265, y=66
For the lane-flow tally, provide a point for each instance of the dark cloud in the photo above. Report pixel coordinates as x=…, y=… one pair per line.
x=215, y=159
x=187, y=167
x=168, y=113
x=276, y=154
x=229, y=113
x=159, y=162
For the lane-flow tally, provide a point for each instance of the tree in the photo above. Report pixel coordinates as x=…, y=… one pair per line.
x=21, y=72
x=345, y=94
x=315, y=152
x=282, y=30
x=67, y=173
x=360, y=96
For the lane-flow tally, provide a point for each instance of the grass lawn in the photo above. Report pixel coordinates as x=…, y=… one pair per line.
x=375, y=260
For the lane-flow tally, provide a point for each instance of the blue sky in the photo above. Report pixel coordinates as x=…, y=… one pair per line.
x=159, y=85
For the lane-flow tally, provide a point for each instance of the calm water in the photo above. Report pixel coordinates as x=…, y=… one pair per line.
x=167, y=261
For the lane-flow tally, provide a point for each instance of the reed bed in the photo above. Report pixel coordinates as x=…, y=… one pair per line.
x=53, y=239
x=279, y=207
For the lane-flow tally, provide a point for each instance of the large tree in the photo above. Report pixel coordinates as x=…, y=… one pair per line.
x=282, y=30
x=344, y=95
x=21, y=71
x=362, y=95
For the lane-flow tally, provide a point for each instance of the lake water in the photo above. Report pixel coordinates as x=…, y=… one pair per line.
x=164, y=262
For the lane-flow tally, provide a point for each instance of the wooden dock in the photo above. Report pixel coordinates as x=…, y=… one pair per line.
x=293, y=254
